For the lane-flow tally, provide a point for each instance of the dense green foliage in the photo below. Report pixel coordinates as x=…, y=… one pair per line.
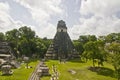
x=101, y=49
x=24, y=41
x=2, y=36
x=114, y=49
x=94, y=51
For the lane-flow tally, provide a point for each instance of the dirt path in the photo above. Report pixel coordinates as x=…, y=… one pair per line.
x=34, y=74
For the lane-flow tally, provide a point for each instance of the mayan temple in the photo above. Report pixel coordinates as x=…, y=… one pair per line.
x=61, y=46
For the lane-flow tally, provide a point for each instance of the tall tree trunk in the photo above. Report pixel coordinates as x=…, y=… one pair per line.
x=93, y=62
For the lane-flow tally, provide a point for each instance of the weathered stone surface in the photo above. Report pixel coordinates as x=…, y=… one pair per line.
x=6, y=56
x=62, y=46
x=6, y=70
x=43, y=70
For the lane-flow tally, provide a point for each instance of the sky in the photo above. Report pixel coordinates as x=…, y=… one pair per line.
x=82, y=17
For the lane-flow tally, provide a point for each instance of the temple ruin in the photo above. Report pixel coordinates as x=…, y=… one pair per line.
x=7, y=59
x=61, y=46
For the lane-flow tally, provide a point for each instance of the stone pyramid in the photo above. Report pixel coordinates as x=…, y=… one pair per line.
x=61, y=46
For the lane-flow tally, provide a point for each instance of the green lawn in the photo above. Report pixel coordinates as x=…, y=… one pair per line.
x=21, y=73
x=82, y=72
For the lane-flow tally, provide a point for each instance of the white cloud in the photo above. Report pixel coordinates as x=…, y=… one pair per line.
x=98, y=17
x=41, y=11
x=51, y=30
x=100, y=7
x=6, y=21
x=4, y=17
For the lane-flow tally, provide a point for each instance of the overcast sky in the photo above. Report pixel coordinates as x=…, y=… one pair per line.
x=82, y=17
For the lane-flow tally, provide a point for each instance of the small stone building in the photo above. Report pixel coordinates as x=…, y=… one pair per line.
x=61, y=46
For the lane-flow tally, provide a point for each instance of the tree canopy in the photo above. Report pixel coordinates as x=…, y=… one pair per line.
x=24, y=41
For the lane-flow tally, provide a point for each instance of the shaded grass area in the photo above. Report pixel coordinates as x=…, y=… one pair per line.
x=21, y=73
x=81, y=69
x=103, y=71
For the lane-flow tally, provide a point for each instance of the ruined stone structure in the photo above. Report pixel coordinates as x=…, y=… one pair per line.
x=6, y=70
x=61, y=46
x=6, y=56
x=5, y=52
x=43, y=70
